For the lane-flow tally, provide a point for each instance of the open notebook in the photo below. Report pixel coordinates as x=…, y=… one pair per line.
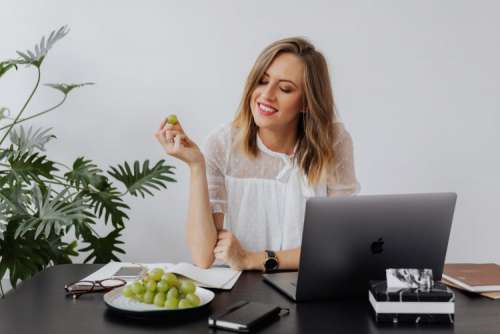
x=215, y=277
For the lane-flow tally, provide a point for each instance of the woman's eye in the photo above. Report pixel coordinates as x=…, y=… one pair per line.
x=285, y=90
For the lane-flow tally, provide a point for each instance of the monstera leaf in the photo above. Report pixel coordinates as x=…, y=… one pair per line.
x=36, y=56
x=27, y=141
x=108, y=202
x=30, y=167
x=83, y=226
x=66, y=88
x=52, y=213
x=20, y=255
x=27, y=255
x=86, y=173
x=102, y=249
x=6, y=152
x=35, y=218
x=13, y=203
x=138, y=181
x=16, y=199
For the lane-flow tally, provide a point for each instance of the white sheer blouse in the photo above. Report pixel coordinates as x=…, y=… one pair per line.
x=263, y=200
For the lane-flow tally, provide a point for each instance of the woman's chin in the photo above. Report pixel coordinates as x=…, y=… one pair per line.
x=262, y=121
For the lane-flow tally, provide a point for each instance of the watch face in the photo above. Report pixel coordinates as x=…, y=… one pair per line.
x=271, y=264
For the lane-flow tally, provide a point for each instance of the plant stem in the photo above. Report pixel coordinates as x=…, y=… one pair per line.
x=24, y=107
x=38, y=114
x=60, y=178
x=60, y=183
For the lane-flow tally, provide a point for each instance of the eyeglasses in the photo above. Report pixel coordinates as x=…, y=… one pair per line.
x=79, y=288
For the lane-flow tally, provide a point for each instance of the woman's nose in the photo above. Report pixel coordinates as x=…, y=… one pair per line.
x=269, y=92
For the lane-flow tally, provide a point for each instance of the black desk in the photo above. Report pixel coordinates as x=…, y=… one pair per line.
x=40, y=306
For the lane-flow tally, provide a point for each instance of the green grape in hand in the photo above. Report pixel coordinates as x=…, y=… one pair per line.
x=172, y=119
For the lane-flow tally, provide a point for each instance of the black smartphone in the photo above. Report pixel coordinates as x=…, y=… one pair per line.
x=128, y=272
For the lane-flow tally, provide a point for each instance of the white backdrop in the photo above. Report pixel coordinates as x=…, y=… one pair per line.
x=416, y=83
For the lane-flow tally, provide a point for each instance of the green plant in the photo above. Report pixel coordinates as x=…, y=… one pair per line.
x=41, y=206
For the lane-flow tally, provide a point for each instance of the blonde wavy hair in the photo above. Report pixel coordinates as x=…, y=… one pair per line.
x=315, y=134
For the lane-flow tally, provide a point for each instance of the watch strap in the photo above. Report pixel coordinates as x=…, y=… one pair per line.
x=270, y=253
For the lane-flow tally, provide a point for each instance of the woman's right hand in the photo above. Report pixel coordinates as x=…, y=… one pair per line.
x=177, y=144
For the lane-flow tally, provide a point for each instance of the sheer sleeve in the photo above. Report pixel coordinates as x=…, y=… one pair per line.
x=215, y=155
x=341, y=180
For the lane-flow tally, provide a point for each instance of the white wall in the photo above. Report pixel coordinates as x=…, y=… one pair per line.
x=416, y=83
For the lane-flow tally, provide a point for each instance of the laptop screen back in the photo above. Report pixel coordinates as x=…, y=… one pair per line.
x=348, y=241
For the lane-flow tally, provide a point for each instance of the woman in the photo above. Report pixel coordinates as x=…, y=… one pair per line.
x=248, y=190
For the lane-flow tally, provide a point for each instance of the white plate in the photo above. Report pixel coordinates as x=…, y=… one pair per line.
x=116, y=300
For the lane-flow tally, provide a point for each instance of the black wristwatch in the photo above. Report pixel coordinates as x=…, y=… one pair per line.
x=271, y=263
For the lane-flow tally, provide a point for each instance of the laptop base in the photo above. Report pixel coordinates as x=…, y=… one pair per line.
x=285, y=282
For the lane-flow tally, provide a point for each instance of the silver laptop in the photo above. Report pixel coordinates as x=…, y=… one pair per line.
x=348, y=241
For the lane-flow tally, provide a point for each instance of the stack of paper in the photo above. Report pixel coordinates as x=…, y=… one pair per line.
x=215, y=277
x=482, y=278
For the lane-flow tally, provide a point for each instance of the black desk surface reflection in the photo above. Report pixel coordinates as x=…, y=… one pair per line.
x=39, y=306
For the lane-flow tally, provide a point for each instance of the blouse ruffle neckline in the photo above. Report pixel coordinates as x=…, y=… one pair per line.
x=264, y=148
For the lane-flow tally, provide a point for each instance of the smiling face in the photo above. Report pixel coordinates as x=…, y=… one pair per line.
x=276, y=100
x=290, y=107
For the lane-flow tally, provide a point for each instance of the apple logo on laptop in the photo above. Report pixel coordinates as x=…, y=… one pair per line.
x=377, y=246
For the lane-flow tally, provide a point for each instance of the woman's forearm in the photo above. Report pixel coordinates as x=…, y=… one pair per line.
x=288, y=259
x=201, y=231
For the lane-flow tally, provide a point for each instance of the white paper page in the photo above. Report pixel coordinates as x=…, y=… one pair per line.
x=229, y=285
x=110, y=268
x=215, y=277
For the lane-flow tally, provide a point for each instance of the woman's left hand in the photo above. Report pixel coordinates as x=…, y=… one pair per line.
x=229, y=250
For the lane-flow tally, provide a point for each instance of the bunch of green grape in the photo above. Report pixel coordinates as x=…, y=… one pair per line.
x=163, y=290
